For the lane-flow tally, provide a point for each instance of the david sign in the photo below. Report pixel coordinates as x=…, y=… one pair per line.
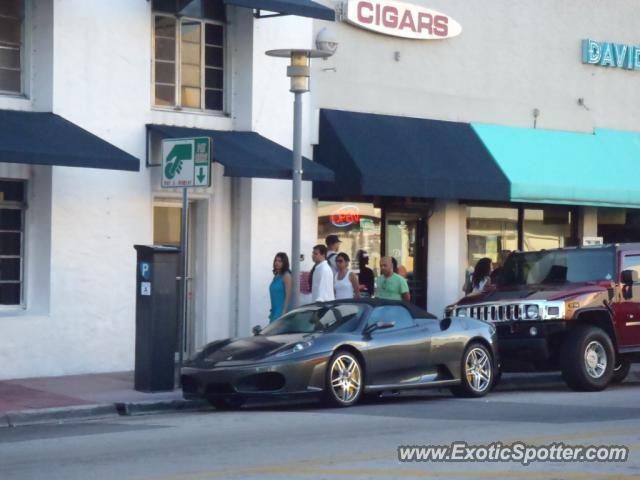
x=401, y=19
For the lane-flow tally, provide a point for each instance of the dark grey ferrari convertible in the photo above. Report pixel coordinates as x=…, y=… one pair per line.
x=343, y=350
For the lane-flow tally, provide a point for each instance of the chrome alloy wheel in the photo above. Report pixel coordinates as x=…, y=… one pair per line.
x=595, y=359
x=346, y=378
x=478, y=369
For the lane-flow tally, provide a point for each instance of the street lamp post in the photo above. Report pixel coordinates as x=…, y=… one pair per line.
x=299, y=72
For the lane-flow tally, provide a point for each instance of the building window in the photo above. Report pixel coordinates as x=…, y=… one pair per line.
x=619, y=225
x=490, y=230
x=12, y=208
x=495, y=231
x=11, y=45
x=548, y=227
x=189, y=54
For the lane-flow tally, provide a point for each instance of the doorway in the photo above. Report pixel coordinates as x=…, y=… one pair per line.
x=405, y=239
x=167, y=215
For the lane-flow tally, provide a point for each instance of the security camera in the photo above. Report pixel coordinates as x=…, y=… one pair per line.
x=327, y=41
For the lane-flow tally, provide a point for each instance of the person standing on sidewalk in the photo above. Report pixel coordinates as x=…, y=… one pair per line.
x=333, y=245
x=322, y=277
x=280, y=288
x=365, y=277
x=346, y=281
x=390, y=285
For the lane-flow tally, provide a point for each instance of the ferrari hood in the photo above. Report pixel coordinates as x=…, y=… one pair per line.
x=248, y=348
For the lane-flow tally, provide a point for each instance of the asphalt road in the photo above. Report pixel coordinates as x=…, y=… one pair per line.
x=310, y=442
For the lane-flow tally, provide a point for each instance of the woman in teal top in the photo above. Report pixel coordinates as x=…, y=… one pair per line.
x=280, y=288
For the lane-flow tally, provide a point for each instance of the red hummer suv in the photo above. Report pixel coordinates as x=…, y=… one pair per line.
x=576, y=310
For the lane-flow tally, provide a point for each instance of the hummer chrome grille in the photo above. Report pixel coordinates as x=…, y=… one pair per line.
x=510, y=311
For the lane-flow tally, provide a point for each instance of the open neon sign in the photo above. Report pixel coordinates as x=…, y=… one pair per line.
x=345, y=216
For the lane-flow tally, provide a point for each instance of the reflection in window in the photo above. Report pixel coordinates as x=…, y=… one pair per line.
x=631, y=262
x=11, y=241
x=190, y=36
x=399, y=315
x=547, y=228
x=491, y=230
x=11, y=41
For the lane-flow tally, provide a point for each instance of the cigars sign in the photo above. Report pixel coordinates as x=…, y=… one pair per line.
x=401, y=19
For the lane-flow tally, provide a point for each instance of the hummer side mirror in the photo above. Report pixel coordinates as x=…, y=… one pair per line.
x=628, y=277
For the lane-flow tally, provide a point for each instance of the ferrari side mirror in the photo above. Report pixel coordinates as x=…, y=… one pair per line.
x=256, y=330
x=378, y=326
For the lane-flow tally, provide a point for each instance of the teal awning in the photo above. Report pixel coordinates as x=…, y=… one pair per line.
x=544, y=166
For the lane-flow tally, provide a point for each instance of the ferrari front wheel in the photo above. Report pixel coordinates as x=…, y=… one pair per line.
x=344, y=380
x=477, y=372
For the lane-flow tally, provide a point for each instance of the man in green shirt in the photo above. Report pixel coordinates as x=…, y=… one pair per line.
x=391, y=286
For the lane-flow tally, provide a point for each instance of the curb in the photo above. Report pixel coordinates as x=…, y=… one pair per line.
x=56, y=415
x=150, y=408
x=525, y=382
x=89, y=412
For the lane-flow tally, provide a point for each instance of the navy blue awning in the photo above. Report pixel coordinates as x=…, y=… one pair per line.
x=301, y=8
x=43, y=138
x=248, y=154
x=407, y=157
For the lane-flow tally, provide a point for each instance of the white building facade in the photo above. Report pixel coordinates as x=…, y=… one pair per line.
x=111, y=68
x=114, y=68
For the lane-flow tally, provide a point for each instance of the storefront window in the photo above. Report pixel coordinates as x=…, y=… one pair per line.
x=357, y=224
x=619, y=225
x=491, y=230
x=547, y=228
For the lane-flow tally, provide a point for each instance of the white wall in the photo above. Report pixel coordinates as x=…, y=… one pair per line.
x=446, y=258
x=511, y=57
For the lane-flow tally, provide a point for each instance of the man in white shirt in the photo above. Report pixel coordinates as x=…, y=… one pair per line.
x=322, y=279
x=333, y=245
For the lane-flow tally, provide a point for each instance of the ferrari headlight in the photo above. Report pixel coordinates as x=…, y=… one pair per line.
x=532, y=312
x=298, y=347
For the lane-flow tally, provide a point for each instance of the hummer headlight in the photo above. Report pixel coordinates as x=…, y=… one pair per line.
x=532, y=312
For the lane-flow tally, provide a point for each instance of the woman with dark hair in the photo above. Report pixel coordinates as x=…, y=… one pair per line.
x=481, y=275
x=280, y=288
x=346, y=281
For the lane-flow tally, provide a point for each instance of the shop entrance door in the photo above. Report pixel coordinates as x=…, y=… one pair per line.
x=167, y=215
x=405, y=239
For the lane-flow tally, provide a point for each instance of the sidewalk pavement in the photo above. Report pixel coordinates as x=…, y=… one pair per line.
x=80, y=397
x=54, y=399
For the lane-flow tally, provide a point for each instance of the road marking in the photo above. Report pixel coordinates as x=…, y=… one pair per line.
x=403, y=473
x=298, y=468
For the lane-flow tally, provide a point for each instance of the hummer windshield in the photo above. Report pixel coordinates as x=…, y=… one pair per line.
x=559, y=266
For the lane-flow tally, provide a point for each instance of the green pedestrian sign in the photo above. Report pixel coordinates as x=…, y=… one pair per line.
x=186, y=162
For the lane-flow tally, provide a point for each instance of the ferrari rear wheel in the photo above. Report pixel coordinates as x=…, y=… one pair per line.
x=343, y=380
x=477, y=372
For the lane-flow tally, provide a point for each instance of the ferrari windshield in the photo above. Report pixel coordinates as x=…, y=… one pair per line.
x=559, y=266
x=314, y=318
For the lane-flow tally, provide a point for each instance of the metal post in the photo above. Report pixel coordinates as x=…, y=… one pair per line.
x=183, y=268
x=297, y=198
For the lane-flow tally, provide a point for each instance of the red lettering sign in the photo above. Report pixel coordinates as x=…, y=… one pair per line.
x=401, y=19
x=345, y=216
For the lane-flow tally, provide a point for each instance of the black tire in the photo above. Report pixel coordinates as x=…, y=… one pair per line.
x=226, y=404
x=343, y=389
x=472, y=385
x=583, y=353
x=620, y=371
x=496, y=378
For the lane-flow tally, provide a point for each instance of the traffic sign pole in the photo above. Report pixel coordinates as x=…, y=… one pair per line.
x=184, y=237
x=186, y=163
